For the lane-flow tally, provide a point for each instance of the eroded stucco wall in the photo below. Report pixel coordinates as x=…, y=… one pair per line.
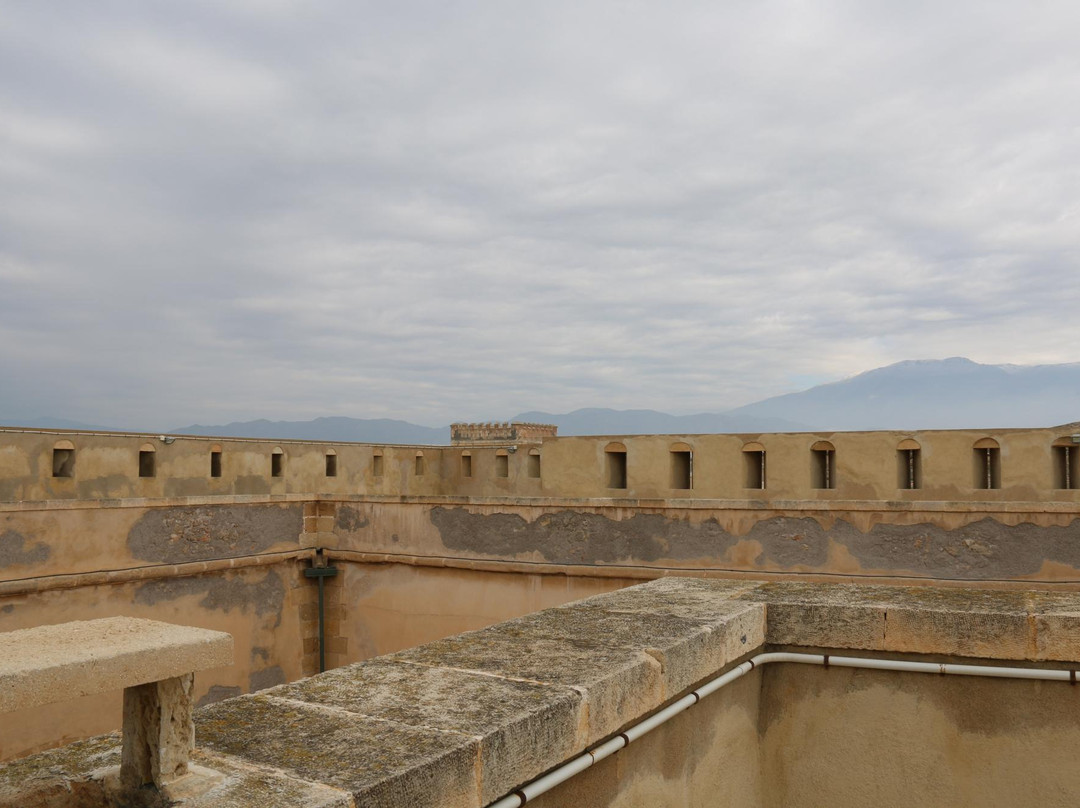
x=957, y=541
x=92, y=536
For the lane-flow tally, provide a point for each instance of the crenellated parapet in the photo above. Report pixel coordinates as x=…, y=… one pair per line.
x=505, y=432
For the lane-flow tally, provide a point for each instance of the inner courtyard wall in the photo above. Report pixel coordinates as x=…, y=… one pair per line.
x=800, y=736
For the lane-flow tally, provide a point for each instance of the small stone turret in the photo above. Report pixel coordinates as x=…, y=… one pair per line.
x=498, y=433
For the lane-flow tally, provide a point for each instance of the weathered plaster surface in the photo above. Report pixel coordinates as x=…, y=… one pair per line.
x=178, y=534
x=16, y=550
x=984, y=549
x=577, y=537
x=265, y=596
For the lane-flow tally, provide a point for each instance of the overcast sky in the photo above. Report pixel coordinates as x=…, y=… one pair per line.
x=225, y=210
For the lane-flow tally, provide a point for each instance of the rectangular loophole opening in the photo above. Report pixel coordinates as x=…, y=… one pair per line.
x=63, y=463
x=682, y=465
x=987, y=466
x=534, y=466
x=418, y=466
x=466, y=465
x=146, y=464
x=822, y=469
x=331, y=465
x=215, y=464
x=616, y=469
x=908, y=469
x=277, y=465
x=1065, y=466
x=754, y=470
x=376, y=466
x=502, y=466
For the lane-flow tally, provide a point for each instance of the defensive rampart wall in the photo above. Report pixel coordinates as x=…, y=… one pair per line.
x=425, y=550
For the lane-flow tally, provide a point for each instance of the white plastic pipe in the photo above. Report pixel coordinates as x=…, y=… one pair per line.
x=534, y=788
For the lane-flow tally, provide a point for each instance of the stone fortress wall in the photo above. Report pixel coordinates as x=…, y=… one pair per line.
x=430, y=541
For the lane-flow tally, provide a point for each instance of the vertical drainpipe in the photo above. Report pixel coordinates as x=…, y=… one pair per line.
x=320, y=570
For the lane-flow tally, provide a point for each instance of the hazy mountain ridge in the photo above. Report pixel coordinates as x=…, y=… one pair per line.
x=953, y=393
x=336, y=428
x=950, y=393
x=602, y=421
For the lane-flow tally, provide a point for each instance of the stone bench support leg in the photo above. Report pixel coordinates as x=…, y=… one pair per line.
x=158, y=732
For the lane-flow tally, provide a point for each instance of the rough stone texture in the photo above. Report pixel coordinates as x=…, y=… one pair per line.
x=158, y=732
x=614, y=681
x=984, y=549
x=381, y=763
x=697, y=599
x=56, y=663
x=923, y=620
x=265, y=596
x=177, y=534
x=16, y=550
x=522, y=727
x=687, y=649
x=825, y=617
x=576, y=537
x=78, y=776
x=56, y=777
x=224, y=781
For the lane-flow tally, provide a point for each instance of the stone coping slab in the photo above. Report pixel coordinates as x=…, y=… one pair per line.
x=987, y=624
x=56, y=663
x=518, y=725
x=378, y=762
x=464, y=720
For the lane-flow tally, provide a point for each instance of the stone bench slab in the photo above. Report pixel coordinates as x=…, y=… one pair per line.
x=55, y=663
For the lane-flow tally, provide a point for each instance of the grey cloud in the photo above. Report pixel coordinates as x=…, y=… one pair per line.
x=467, y=210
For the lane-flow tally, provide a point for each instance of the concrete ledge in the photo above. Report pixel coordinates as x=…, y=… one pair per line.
x=923, y=620
x=56, y=663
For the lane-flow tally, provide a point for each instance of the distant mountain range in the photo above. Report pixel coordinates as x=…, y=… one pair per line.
x=360, y=430
x=599, y=421
x=951, y=393
x=920, y=394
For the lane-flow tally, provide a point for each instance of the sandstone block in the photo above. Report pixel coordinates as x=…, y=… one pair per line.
x=56, y=663
x=523, y=728
x=382, y=764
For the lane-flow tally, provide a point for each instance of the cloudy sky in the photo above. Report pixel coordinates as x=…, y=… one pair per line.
x=233, y=209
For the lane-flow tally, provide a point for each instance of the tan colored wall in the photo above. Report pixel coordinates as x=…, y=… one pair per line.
x=389, y=607
x=705, y=758
x=944, y=541
x=849, y=739
x=429, y=556
x=106, y=466
x=843, y=738
x=88, y=536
